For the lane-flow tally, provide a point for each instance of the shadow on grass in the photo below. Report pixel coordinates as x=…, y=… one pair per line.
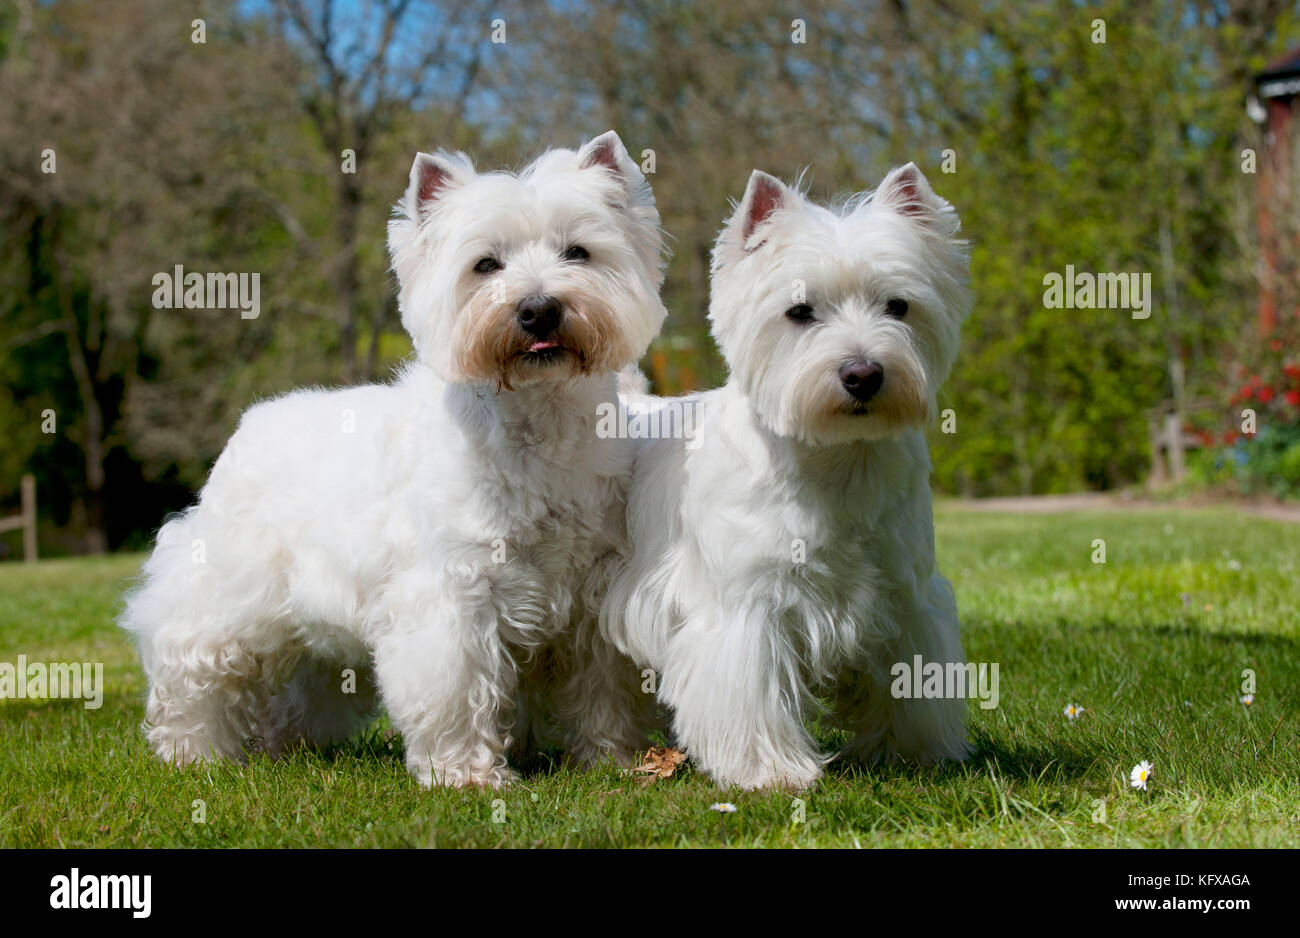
x=112, y=707
x=1014, y=761
x=991, y=756
x=1187, y=632
x=379, y=745
x=1109, y=626
x=1029, y=760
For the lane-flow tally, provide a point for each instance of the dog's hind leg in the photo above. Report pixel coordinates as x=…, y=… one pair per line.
x=207, y=697
x=212, y=647
x=599, y=700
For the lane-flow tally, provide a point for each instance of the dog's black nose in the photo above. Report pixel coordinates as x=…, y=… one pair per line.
x=862, y=379
x=539, y=315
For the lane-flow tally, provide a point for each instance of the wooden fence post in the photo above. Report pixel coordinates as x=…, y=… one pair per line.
x=26, y=520
x=29, y=517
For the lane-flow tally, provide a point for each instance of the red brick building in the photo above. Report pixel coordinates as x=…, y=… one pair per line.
x=1277, y=92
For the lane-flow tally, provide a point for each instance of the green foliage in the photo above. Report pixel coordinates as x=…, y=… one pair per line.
x=1117, y=156
x=1088, y=154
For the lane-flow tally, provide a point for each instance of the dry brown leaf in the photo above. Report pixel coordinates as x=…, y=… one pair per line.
x=660, y=762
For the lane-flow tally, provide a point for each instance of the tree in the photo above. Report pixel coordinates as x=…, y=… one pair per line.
x=116, y=149
x=366, y=66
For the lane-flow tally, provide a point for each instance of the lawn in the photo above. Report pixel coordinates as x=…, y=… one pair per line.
x=1152, y=644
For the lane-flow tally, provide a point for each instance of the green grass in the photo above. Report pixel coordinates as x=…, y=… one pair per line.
x=1152, y=644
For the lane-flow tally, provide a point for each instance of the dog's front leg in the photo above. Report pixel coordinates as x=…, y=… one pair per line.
x=738, y=697
x=926, y=730
x=448, y=683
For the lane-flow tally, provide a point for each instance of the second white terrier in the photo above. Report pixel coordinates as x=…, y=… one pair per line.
x=786, y=554
x=449, y=530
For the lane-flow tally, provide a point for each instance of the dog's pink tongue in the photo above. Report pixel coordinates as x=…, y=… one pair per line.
x=542, y=345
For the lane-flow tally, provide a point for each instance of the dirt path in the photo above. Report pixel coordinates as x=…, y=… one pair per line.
x=1096, y=501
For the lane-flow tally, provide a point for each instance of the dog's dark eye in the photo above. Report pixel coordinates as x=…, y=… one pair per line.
x=576, y=253
x=896, y=308
x=801, y=314
x=487, y=265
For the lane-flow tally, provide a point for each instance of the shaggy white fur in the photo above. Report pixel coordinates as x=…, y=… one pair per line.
x=447, y=536
x=787, y=553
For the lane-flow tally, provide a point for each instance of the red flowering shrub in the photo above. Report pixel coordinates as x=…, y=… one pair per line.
x=1267, y=459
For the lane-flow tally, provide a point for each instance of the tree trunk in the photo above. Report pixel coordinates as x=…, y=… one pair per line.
x=1173, y=348
x=347, y=278
x=92, y=447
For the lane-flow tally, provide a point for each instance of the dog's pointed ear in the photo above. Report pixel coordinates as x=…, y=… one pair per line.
x=906, y=191
x=764, y=195
x=431, y=175
x=608, y=154
x=608, y=151
x=633, y=197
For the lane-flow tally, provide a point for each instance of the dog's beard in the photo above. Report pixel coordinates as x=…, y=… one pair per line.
x=492, y=348
x=816, y=409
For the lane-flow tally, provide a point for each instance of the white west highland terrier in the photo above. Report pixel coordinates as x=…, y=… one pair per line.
x=786, y=554
x=450, y=530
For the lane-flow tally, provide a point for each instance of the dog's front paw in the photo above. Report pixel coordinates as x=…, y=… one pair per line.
x=793, y=782
x=789, y=779
x=448, y=776
x=181, y=750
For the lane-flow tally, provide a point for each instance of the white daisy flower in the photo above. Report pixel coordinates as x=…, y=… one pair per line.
x=723, y=807
x=1248, y=699
x=1140, y=774
x=1072, y=711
